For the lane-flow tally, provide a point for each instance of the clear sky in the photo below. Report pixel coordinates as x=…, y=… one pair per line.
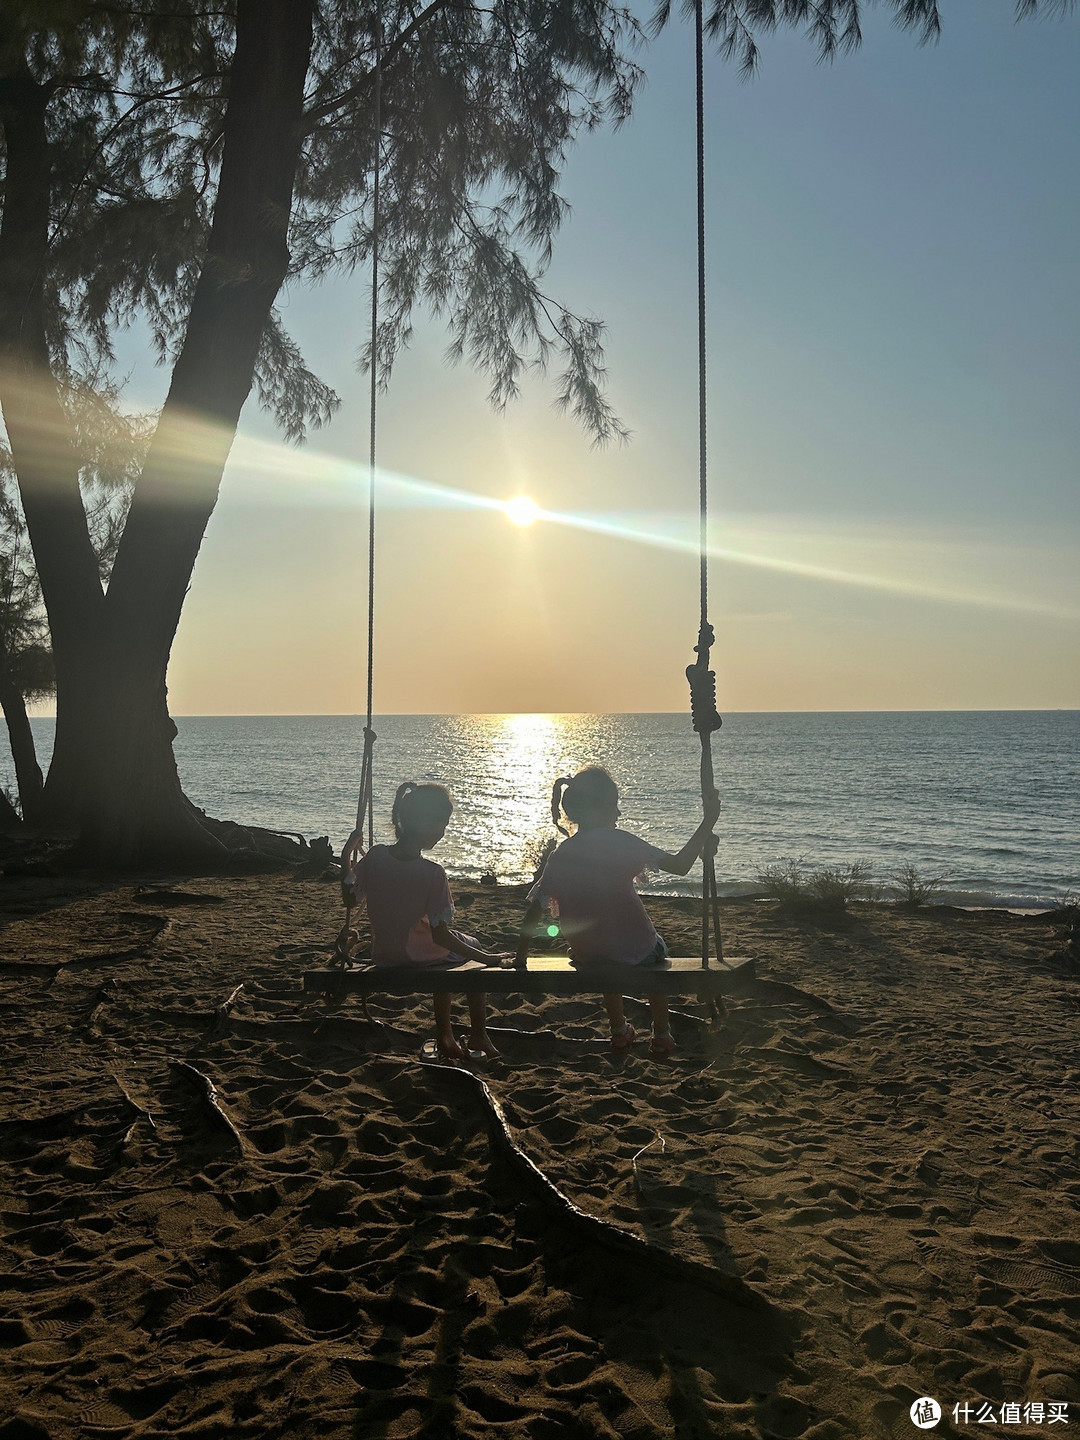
x=893, y=352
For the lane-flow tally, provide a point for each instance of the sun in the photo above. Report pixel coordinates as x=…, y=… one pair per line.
x=521, y=510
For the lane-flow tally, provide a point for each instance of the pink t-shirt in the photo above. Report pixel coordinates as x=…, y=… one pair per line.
x=405, y=898
x=588, y=883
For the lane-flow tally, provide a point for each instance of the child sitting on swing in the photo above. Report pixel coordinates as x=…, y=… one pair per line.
x=410, y=909
x=588, y=884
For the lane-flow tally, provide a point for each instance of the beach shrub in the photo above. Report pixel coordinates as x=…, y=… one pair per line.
x=535, y=852
x=834, y=886
x=912, y=887
x=830, y=888
x=785, y=881
x=1065, y=917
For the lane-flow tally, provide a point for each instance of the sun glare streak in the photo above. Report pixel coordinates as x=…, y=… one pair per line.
x=266, y=472
x=635, y=531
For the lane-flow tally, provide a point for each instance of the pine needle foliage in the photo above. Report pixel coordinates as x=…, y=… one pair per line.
x=23, y=631
x=834, y=26
x=480, y=106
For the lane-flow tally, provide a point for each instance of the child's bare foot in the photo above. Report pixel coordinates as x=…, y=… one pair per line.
x=621, y=1040
x=661, y=1045
x=447, y=1047
x=481, y=1042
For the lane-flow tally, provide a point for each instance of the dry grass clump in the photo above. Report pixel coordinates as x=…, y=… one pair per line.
x=829, y=888
x=912, y=888
x=1065, y=918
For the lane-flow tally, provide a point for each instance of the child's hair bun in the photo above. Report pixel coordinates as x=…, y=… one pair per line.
x=415, y=803
x=574, y=796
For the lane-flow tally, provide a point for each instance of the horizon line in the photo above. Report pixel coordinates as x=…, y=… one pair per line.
x=429, y=714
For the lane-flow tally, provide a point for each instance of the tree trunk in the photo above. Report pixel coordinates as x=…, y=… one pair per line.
x=10, y=824
x=23, y=753
x=137, y=812
x=114, y=770
x=38, y=434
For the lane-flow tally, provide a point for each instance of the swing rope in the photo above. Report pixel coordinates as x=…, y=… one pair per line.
x=704, y=716
x=365, y=803
x=702, y=680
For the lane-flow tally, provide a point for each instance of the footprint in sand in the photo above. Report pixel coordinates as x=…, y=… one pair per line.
x=490, y=1406
x=405, y=1316
x=376, y=1374
x=883, y=1344
x=1062, y=1252
x=783, y=1416
x=105, y=1417
x=1033, y=1278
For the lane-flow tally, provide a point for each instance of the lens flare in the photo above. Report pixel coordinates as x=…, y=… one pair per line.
x=521, y=510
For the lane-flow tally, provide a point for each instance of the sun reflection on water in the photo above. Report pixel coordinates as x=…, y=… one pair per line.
x=523, y=755
x=500, y=770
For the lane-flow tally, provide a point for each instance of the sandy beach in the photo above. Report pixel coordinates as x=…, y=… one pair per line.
x=876, y=1156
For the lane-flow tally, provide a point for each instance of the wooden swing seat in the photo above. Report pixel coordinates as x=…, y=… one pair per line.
x=545, y=975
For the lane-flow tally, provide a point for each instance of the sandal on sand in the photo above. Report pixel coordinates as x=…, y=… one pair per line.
x=436, y=1050
x=621, y=1043
x=661, y=1045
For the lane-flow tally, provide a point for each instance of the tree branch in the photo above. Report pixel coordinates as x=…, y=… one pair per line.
x=328, y=107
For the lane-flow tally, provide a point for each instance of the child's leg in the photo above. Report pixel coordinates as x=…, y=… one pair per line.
x=444, y=1031
x=479, y=1039
x=616, y=1015
x=622, y=1032
x=658, y=1008
x=662, y=1043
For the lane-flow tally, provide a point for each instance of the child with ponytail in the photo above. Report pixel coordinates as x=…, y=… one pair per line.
x=410, y=909
x=588, y=883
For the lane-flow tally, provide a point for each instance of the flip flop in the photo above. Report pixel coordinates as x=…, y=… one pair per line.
x=436, y=1050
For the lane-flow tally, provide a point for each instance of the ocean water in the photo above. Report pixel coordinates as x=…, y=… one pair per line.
x=986, y=801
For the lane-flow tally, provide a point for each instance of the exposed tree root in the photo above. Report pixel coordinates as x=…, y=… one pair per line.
x=699, y=1020
x=221, y=1014
x=209, y=1092
x=102, y=996
x=591, y=1227
x=141, y=1113
x=637, y=1155
x=170, y=896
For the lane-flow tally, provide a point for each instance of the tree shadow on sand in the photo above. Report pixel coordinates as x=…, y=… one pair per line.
x=547, y=1327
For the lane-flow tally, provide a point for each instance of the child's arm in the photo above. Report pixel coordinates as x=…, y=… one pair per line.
x=443, y=935
x=680, y=864
x=528, y=926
